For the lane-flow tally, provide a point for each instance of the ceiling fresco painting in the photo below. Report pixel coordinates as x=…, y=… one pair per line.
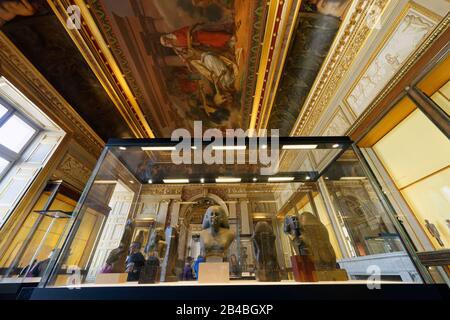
x=318, y=24
x=186, y=60
x=183, y=60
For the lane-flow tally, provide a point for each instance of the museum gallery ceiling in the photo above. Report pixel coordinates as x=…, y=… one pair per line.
x=144, y=68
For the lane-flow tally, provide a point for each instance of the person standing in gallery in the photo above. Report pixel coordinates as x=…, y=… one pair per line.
x=187, y=271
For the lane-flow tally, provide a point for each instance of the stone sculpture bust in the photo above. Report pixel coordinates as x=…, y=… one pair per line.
x=263, y=239
x=216, y=236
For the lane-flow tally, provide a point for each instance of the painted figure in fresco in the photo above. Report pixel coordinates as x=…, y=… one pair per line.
x=433, y=230
x=263, y=239
x=335, y=8
x=10, y=9
x=196, y=49
x=216, y=236
x=193, y=36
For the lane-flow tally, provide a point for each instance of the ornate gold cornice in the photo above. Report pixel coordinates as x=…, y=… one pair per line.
x=97, y=54
x=19, y=71
x=349, y=41
x=280, y=24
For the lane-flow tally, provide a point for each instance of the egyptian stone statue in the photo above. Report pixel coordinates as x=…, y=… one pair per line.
x=117, y=257
x=170, y=258
x=263, y=239
x=156, y=245
x=312, y=235
x=216, y=236
x=292, y=230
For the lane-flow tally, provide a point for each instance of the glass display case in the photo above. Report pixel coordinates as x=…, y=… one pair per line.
x=38, y=236
x=235, y=211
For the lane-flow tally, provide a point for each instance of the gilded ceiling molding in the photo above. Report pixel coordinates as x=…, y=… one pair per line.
x=17, y=69
x=351, y=39
x=97, y=54
x=279, y=29
x=441, y=28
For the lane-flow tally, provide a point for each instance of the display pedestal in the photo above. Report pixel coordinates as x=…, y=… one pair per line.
x=110, y=278
x=303, y=269
x=214, y=272
x=331, y=275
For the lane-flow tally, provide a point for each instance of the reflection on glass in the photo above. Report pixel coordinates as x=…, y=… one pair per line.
x=3, y=164
x=442, y=98
x=3, y=110
x=129, y=230
x=369, y=235
x=37, y=239
x=416, y=155
x=436, y=85
x=15, y=133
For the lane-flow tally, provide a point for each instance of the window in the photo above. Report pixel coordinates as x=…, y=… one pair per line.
x=417, y=156
x=16, y=133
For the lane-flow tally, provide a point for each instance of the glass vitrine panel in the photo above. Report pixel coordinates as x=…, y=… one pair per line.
x=315, y=216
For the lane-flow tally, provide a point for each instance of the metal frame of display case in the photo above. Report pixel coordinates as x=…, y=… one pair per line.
x=328, y=143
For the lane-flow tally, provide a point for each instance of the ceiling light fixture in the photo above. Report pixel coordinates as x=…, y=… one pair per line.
x=229, y=147
x=227, y=179
x=176, y=180
x=254, y=179
x=150, y=181
x=336, y=145
x=275, y=179
x=299, y=146
x=202, y=180
x=122, y=148
x=352, y=178
x=168, y=148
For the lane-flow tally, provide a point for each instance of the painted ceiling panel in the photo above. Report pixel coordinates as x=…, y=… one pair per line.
x=318, y=24
x=186, y=60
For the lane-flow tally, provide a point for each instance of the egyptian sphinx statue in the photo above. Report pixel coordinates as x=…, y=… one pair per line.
x=263, y=239
x=117, y=257
x=216, y=236
x=309, y=236
x=156, y=245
